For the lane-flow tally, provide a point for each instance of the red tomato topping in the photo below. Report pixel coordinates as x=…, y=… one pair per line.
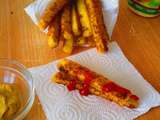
x=88, y=77
x=134, y=97
x=122, y=90
x=113, y=87
x=108, y=87
x=85, y=85
x=71, y=86
x=84, y=91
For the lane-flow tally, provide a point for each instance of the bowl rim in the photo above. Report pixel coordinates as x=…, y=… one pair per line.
x=29, y=76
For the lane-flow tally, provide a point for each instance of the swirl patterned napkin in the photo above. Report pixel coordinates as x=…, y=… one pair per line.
x=59, y=104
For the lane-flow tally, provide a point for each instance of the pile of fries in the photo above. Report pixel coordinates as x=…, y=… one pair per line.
x=76, y=23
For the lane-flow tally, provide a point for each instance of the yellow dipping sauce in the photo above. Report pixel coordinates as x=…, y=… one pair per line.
x=9, y=101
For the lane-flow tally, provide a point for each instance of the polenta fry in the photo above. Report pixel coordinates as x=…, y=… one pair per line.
x=97, y=23
x=85, y=41
x=52, y=9
x=54, y=32
x=75, y=21
x=66, y=30
x=90, y=41
x=73, y=71
x=84, y=18
x=81, y=41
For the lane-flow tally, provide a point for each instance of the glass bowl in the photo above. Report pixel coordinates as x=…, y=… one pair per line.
x=14, y=73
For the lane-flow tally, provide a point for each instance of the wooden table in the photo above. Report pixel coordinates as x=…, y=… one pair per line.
x=138, y=37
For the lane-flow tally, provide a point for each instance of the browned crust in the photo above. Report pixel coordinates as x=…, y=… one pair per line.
x=61, y=78
x=100, y=35
x=66, y=29
x=66, y=20
x=76, y=15
x=54, y=31
x=52, y=9
x=54, y=26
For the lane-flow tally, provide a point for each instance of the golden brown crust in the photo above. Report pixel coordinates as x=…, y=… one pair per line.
x=66, y=20
x=84, y=18
x=123, y=95
x=77, y=70
x=97, y=23
x=66, y=29
x=76, y=27
x=90, y=41
x=85, y=41
x=62, y=78
x=52, y=9
x=54, y=31
x=82, y=22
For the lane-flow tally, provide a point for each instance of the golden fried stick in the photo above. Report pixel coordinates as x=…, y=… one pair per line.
x=90, y=41
x=84, y=18
x=52, y=9
x=54, y=32
x=66, y=29
x=116, y=93
x=62, y=78
x=75, y=21
x=97, y=24
x=80, y=40
x=85, y=41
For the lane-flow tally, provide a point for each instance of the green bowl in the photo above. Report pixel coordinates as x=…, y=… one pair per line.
x=142, y=9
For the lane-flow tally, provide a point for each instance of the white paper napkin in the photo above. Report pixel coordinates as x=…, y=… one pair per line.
x=59, y=104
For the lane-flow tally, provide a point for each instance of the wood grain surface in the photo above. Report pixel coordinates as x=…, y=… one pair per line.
x=138, y=37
